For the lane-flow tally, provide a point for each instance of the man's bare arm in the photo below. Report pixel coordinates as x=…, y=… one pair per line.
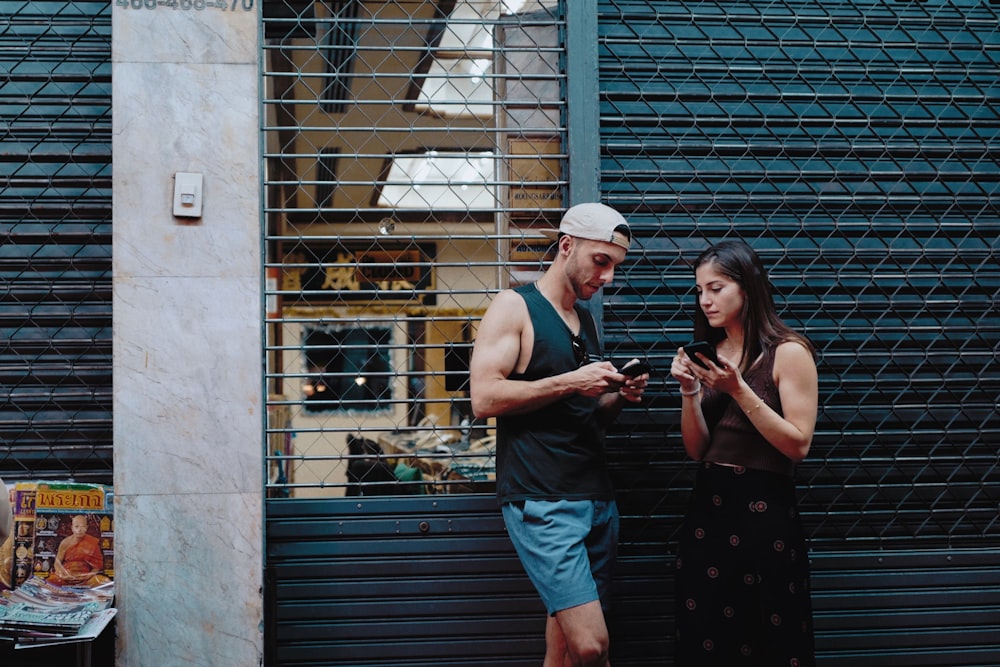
x=496, y=354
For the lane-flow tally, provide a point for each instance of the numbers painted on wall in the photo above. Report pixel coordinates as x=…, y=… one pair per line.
x=224, y=5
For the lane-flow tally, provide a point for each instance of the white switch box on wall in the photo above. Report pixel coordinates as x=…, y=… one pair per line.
x=187, y=195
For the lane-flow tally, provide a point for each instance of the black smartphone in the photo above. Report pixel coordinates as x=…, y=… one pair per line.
x=703, y=347
x=636, y=369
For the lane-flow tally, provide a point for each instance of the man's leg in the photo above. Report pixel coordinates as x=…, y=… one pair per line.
x=555, y=644
x=549, y=538
x=577, y=637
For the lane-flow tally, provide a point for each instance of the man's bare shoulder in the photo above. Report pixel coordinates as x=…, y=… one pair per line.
x=507, y=303
x=508, y=297
x=506, y=315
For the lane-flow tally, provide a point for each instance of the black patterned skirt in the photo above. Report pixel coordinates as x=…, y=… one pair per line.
x=742, y=578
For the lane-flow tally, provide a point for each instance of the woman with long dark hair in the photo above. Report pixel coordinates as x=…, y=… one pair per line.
x=742, y=579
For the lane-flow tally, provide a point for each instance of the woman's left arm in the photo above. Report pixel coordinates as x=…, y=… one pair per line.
x=798, y=386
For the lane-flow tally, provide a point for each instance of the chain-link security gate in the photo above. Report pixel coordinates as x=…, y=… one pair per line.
x=55, y=229
x=853, y=144
x=414, y=149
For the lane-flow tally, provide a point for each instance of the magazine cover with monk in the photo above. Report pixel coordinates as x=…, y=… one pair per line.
x=7, y=544
x=20, y=558
x=74, y=534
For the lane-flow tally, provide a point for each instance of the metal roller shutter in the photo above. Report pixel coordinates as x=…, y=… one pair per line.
x=55, y=257
x=853, y=144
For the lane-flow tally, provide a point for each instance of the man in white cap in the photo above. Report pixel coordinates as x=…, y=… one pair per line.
x=533, y=368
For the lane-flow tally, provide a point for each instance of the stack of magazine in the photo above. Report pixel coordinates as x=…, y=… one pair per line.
x=38, y=613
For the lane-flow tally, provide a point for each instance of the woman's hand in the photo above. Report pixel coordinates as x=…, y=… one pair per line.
x=723, y=377
x=682, y=369
x=694, y=430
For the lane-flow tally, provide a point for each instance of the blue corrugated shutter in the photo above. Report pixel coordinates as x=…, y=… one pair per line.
x=854, y=145
x=55, y=240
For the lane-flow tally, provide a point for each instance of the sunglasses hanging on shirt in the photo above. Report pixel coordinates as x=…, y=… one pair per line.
x=579, y=350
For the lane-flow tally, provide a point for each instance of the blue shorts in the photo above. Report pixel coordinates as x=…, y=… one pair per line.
x=567, y=547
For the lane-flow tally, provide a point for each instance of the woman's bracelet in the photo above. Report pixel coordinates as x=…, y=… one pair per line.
x=693, y=392
x=753, y=408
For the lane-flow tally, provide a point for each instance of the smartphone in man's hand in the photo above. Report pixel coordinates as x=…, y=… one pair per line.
x=636, y=369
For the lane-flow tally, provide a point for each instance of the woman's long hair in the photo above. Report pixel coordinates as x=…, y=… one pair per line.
x=763, y=330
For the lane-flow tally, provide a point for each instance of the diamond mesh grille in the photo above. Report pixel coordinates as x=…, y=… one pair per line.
x=854, y=145
x=55, y=231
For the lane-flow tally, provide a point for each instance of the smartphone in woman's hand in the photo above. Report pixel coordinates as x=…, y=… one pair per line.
x=701, y=347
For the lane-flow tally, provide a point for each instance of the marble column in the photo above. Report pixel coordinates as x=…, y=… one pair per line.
x=188, y=398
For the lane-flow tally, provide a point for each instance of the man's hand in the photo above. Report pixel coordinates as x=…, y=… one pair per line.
x=633, y=387
x=597, y=378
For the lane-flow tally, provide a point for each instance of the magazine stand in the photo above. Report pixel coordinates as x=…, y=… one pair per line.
x=84, y=639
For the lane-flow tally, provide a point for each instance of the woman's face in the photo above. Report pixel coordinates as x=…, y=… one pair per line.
x=721, y=298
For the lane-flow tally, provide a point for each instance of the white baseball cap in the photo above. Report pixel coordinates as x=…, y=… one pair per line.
x=593, y=221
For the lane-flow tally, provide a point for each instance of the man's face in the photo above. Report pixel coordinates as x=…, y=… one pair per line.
x=591, y=265
x=79, y=525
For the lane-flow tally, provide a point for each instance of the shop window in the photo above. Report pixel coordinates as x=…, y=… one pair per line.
x=458, y=78
x=348, y=369
x=439, y=180
x=455, y=79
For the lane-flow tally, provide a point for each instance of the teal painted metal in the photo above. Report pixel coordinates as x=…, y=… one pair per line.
x=582, y=126
x=55, y=232
x=434, y=581
x=854, y=145
x=931, y=607
x=423, y=581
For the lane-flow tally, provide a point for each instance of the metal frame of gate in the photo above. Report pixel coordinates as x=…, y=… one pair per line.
x=853, y=144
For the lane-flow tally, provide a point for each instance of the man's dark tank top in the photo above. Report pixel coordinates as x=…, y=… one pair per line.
x=557, y=451
x=734, y=439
